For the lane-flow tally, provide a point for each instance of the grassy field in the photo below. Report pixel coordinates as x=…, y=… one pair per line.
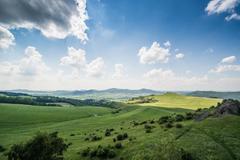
x=173, y=100
x=215, y=138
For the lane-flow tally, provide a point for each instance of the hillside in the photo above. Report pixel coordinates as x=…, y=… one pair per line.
x=213, y=94
x=174, y=100
x=147, y=138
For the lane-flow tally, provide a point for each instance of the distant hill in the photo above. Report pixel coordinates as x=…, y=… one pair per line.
x=110, y=94
x=174, y=100
x=213, y=94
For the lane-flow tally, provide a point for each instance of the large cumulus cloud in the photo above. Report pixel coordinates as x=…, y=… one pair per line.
x=54, y=18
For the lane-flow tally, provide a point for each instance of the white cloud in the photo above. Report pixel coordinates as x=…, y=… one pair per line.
x=233, y=16
x=55, y=19
x=95, y=68
x=229, y=59
x=154, y=54
x=30, y=65
x=6, y=38
x=179, y=56
x=221, y=6
x=226, y=68
x=8, y=69
x=75, y=58
x=159, y=74
x=119, y=71
x=167, y=44
x=167, y=79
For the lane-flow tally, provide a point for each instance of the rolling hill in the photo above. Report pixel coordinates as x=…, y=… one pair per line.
x=174, y=100
x=213, y=94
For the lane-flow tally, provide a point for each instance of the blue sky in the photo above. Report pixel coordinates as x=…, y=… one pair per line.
x=124, y=45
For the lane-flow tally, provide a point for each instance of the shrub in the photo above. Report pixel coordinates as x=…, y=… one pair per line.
x=119, y=137
x=144, y=122
x=168, y=125
x=42, y=146
x=86, y=152
x=72, y=134
x=178, y=125
x=101, y=152
x=179, y=118
x=164, y=119
x=135, y=123
x=199, y=110
x=96, y=138
x=114, y=140
x=107, y=133
x=125, y=135
x=152, y=122
x=93, y=153
x=2, y=149
x=111, y=154
x=188, y=116
x=118, y=145
x=148, y=130
x=186, y=155
x=122, y=136
x=146, y=126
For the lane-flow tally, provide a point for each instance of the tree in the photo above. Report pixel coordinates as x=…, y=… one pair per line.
x=42, y=147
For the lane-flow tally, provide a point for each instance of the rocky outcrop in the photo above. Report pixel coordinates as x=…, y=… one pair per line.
x=228, y=106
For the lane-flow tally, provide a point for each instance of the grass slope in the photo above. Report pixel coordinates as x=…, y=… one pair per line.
x=209, y=139
x=173, y=100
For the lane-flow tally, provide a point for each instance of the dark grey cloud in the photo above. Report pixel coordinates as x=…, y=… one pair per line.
x=54, y=18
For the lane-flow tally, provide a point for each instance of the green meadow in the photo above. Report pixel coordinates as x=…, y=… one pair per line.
x=213, y=138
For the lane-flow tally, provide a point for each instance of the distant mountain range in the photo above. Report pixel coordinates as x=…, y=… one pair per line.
x=213, y=94
x=112, y=93
x=123, y=94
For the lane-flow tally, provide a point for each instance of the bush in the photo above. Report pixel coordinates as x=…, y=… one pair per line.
x=72, y=134
x=42, y=147
x=179, y=118
x=119, y=137
x=96, y=138
x=86, y=152
x=178, y=125
x=100, y=152
x=114, y=140
x=146, y=126
x=2, y=149
x=108, y=132
x=186, y=155
x=199, y=110
x=152, y=122
x=148, y=131
x=125, y=135
x=164, y=119
x=118, y=145
x=135, y=123
x=144, y=122
x=168, y=125
x=122, y=136
x=189, y=116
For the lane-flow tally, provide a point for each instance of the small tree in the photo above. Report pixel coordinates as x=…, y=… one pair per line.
x=42, y=147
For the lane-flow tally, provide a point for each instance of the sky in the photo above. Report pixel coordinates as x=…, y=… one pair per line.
x=98, y=44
